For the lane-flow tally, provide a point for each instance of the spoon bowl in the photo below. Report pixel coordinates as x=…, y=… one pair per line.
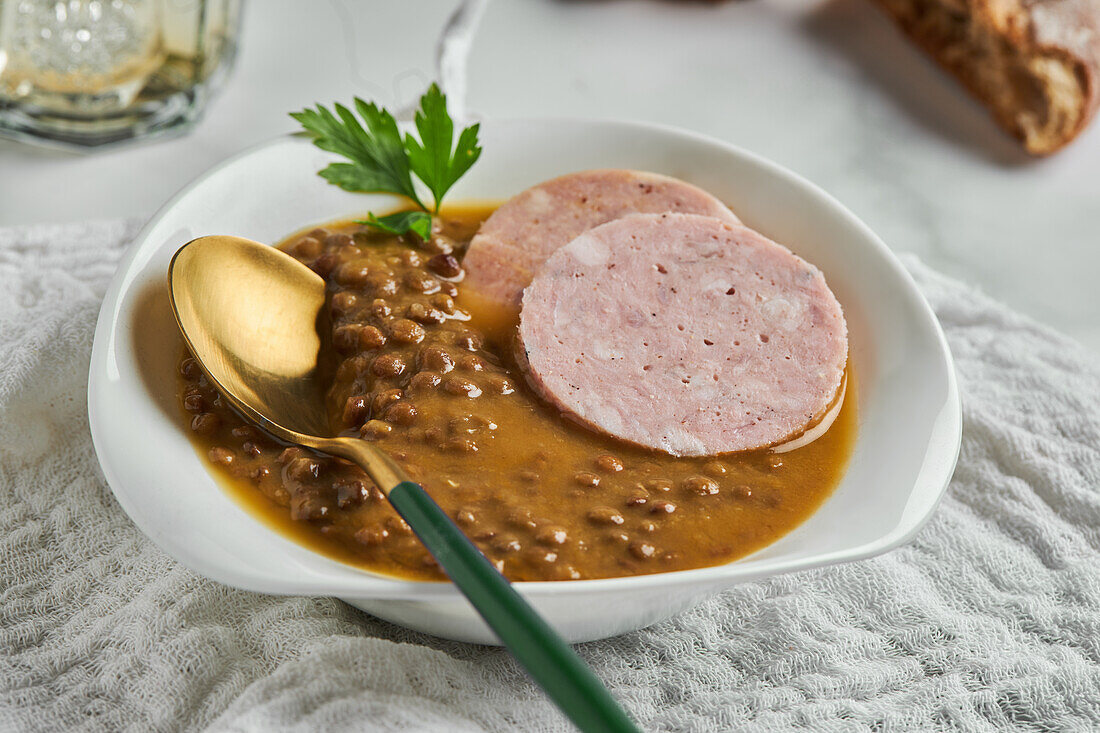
x=256, y=336
x=252, y=316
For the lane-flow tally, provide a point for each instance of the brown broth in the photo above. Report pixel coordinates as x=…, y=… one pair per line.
x=544, y=498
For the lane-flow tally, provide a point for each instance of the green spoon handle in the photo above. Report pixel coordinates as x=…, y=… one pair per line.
x=549, y=660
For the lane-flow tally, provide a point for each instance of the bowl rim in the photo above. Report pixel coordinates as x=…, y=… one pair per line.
x=936, y=470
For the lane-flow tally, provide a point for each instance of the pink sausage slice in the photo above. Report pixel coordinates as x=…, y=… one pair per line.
x=684, y=333
x=513, y=243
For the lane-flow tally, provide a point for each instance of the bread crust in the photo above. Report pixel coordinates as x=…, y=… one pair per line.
x=1034, y=63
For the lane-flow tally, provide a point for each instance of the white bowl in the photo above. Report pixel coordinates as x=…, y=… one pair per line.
x=909, y=414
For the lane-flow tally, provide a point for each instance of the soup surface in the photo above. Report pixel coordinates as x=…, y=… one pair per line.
x=424, y=369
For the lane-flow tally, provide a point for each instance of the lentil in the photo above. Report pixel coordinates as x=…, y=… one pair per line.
x=205, y=423
x=445, y=264
x=586, y=479
x=604, y=515
x=608, y=463
x=375, y=429
x=701, y=485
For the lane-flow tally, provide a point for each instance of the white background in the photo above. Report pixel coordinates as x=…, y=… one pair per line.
x=828, y=89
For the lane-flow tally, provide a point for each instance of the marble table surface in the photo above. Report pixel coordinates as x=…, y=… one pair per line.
x=826, y=88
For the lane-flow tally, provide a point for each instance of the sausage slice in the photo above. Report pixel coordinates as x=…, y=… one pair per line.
x=513, y=243
x=687, y=334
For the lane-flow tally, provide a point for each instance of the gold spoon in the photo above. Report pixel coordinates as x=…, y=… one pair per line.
x=250, y=315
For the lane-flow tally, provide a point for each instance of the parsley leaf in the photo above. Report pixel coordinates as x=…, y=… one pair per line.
x=418, y=222
x=431, y=158
x=380, y=161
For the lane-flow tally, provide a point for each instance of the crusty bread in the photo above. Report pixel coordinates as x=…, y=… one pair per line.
x=1035, y=63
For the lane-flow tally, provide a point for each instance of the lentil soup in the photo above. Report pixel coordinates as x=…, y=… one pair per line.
x=426, y=370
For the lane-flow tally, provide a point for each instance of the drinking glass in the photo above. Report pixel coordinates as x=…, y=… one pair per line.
x=86, y=73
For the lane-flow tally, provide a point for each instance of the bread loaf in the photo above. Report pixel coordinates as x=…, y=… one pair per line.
x=1035, y=63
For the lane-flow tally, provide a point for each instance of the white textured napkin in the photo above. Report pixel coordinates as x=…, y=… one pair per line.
x=989, y=620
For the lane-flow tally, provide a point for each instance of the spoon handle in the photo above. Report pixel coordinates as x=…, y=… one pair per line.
x=548, y=659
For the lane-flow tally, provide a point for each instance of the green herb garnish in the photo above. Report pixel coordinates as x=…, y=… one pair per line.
x=383, y=162
x=401, y=222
